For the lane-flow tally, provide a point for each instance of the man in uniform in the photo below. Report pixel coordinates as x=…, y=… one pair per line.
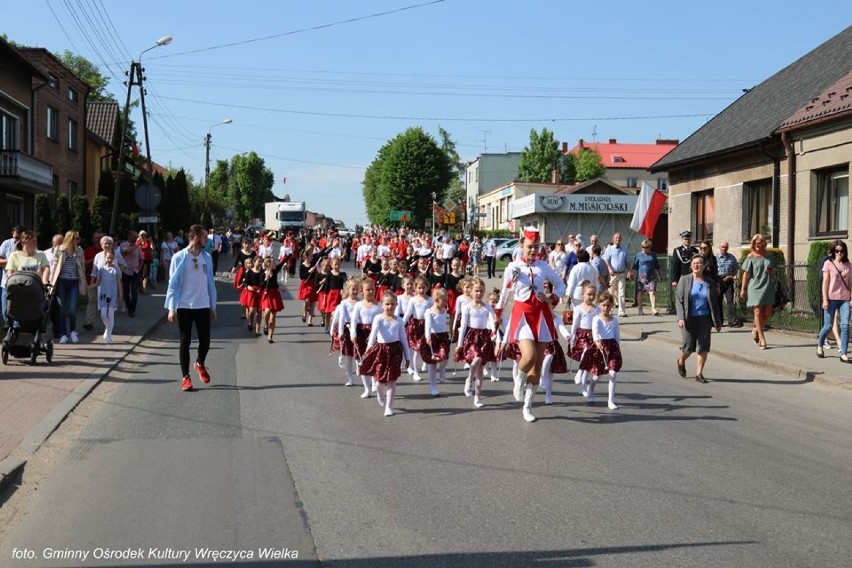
x=679, y=264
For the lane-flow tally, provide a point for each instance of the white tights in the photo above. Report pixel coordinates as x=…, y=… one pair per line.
x=547, y=378
x=108, y=317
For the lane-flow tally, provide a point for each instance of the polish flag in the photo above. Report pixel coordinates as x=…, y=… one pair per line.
x=648, y=210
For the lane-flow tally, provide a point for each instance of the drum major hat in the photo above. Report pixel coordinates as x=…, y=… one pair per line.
x=531, y=233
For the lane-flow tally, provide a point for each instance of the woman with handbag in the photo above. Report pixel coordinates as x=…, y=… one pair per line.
x=836, y=295
x=759, y=281
x=68, y=277
x=697, y=306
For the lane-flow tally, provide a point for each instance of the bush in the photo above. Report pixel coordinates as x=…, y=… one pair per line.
x=44, y=221
x=816, y=253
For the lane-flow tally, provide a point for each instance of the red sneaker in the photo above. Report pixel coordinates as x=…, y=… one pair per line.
x=202, y=373
x=186, y=384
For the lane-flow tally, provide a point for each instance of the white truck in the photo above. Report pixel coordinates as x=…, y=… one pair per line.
x=282, y=216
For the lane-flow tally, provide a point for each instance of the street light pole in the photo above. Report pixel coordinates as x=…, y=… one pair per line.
x=434, y=232
x=207, y=157
x=133, y=78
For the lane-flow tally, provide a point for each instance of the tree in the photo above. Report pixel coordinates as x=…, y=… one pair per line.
x=81, y=219
x=405, y=173
x=589, y=165
x=62, y=215
x=253, y=184
x=88, y=72
x=539, y=157
x=455, y=190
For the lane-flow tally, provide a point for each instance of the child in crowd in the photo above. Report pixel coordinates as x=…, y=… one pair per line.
x=606, y=335
x=475, y=345
x=493, y=298
x=437, y=339
x=108, y=284
x=583, y=348
x=554, y=358
x=362, y=323
x=414, y=322
x=341, y=338
x=387, y=347
x=250, y=298
x=270, y=296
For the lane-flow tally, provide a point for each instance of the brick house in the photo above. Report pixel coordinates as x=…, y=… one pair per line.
x=776, y=161
x=59, y=121
x=22, y=175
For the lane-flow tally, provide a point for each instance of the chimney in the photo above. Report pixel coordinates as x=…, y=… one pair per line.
x=668, y=141
x=564, y=148
x=580, y=144
x=613, y=141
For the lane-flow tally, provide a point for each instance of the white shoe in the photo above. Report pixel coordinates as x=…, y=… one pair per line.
x=74, y=338
x=365, y=394
x=423, y=367
x=582, y=390
x=612, y=406
x=104, y=335
x=548, y=399
x=467, y=365
x=435, y=391
x=467, y=392
x=410, y=371
x=495, y=379
x=349, y=383
x=528, y=416
x=63, y=340
x=442, y=378
x=576, y=379
x=477, y=402
x=417, y=378
x=388, y=412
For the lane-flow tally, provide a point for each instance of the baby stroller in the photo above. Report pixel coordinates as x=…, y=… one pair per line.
x=27, y=308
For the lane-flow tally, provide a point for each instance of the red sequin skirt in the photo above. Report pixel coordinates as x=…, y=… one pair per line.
x=382, y=362
x=415, y=330
x=343, y=344
x=609, y=360
x=362, y=335
x=582, y=342
x=270, y=299
x=477, y=343
x=440, y=350
x=511, y=351
x=238, y=277
x=559, y=364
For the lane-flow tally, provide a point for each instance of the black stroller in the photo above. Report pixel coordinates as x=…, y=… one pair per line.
x=27, y=309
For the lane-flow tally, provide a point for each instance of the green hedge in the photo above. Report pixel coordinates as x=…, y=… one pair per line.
x=817, y=251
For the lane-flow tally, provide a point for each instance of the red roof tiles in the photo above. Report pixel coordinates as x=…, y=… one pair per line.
x=836, y=99
x=620, y=155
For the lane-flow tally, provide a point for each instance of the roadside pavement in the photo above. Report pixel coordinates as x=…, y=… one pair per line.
x=36, y=399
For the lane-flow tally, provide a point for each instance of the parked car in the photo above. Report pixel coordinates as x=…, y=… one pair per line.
x=505, y=250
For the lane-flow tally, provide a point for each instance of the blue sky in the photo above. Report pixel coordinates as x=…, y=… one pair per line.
x=317, y=104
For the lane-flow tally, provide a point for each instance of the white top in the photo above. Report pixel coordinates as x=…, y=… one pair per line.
x=385, y=331
x=383, y=251
x=193, y=284
x=169, y=249
x=517, y=253
x=557, y=261
x=344, y=312
x=579, y=273
x=98, y=261
x=477, y=318
x=402, y=302
x=605, y=330
x=265, y=251
x=363, y=314
x=417, y=307
x=488, y=248
x=284, y=252
x=583, y=319
x=462, y=302
x=524, y=279
x=436, y=322
x=447, y=250
x=363, y=252
x=335, y=252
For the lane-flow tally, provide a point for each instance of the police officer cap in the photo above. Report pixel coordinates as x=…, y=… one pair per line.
x=686, y=235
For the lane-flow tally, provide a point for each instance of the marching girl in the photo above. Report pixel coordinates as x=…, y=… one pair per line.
x=307, y=284
x=341, y=338
x=387, y=347
x=244, y=258
x=476, y=346
x=285, y=255
x=554, y=357
x=606, y=335
x=462, y=300
x=436, y=339
x=437, y=278
x=330, y=291
x=422, y=267
x=108, y=284
x=270, y=296
x=415, y=326
x=386, y=279
x=405, y=297
x=373, y=265
x=493, y=298
x=240, y=284
x=359, y=331
x=583, y=348
x=451, y=283
x=250, y=297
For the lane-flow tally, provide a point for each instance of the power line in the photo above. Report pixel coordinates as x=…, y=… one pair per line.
x=430, y=118
x=302, y=30
x=58, y=21
x=286, y=159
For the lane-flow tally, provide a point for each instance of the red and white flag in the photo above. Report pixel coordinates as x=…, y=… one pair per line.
x=648, y=210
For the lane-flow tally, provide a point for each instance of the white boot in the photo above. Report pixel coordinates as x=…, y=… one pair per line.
x=528, y=398
x=547, y=384
x=467, y=391
x=611, y=402
x=518, y=390
x=366, y=381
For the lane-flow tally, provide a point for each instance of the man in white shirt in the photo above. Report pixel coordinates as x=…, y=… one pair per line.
x=489, y=252
x=448, y=251
x=217, y=248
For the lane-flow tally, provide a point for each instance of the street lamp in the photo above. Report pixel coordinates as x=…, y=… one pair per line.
x=207, y=160
x=434, y=232
x=134, y=77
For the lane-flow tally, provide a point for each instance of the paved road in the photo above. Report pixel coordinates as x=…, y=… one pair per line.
x=749, y=470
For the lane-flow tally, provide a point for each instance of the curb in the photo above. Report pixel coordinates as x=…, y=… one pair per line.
x=793, y=371
x=12, y=467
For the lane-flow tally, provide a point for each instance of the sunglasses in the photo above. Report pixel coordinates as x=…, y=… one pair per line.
x=195, y=263
x=839, y=250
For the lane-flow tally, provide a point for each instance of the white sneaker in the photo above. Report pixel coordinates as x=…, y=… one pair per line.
x=388, y=412
x=612, y=406
x=477, y=402
x=435, y=391
x=548, y=399
x=495, y=379
x=410, y=371
x=417, y=378
x=63, y=340
x=74, y=338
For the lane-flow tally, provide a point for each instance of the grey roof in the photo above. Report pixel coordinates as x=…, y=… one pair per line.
x=102, y=121
x=758, y=113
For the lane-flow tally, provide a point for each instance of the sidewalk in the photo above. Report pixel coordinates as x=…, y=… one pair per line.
x=36, y=399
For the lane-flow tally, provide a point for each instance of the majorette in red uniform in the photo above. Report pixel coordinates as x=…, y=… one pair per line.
x=531, y=318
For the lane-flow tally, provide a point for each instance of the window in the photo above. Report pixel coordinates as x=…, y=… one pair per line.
x=72, y=188
x=72, y=95
x=663, y=184
x=704, y=215
x=8, y=132
x=72, y=134
x=632, y=182
x=53, y=81
x=757, y=209
x=52, y=123
x=830, y=202
x=618, y=160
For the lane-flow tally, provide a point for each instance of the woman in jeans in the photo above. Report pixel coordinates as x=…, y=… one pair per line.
x=836, y=285
x=68, y=276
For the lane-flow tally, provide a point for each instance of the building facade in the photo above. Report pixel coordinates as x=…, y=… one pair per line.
x=628, y=165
